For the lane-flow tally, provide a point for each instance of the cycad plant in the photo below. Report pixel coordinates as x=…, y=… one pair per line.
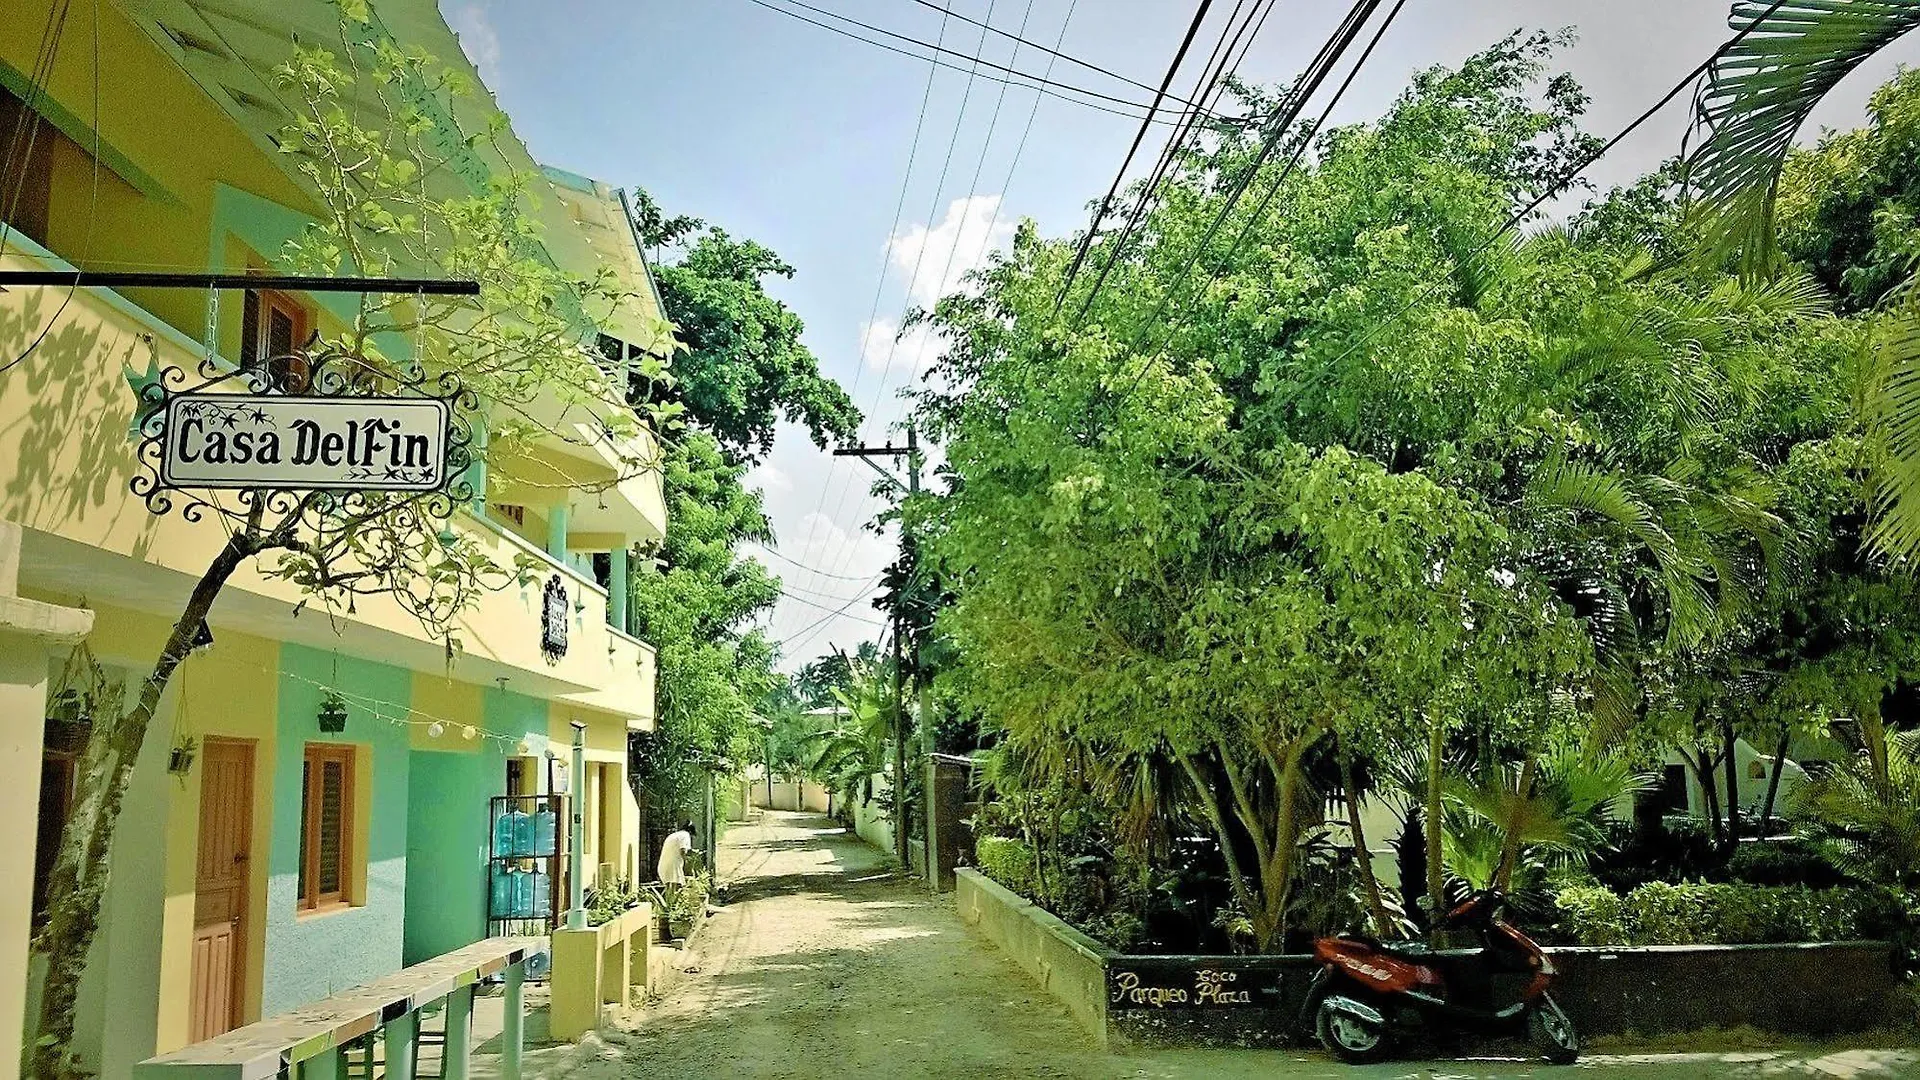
x=1864, y=811
x=1553, y=809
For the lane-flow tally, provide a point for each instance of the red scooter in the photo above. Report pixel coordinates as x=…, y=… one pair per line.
x=1368, y=992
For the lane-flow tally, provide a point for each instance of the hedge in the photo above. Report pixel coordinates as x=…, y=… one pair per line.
x=1727, y=914
x=1007, y=861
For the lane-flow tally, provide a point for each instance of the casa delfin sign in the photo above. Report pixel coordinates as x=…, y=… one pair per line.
x=331, y=425
x=309, y=443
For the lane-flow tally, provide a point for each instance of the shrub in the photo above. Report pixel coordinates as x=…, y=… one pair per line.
x=1729, y=914
x=1593, y=915
x=1007, y=861
x=1782, y=862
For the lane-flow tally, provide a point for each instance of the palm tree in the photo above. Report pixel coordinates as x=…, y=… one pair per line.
x=1864, y=812
x=1789, y=55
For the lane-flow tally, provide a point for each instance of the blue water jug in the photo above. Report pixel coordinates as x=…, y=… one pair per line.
x=542, y=828
x=522, y=894
x=508, y=830
x=542, y=887
x=500, y=895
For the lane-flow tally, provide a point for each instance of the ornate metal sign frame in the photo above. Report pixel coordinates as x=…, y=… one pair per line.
x=553, y=619
x=320, y=376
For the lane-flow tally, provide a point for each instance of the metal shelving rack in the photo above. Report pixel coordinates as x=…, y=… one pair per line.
x=526, y=837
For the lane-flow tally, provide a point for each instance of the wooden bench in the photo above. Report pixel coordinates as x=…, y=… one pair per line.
x=306, y=1042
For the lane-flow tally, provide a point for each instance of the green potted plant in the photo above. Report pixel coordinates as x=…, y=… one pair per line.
x=688, y=905
x=333, y=713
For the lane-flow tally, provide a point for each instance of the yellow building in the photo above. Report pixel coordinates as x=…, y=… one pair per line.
x=278, y=862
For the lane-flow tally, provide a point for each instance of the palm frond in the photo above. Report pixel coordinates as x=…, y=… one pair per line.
x=1891, y=406
x=1759, y=93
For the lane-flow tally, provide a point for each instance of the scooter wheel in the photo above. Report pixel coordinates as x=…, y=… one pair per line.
x=1352, y=1039
x=1549, y=1030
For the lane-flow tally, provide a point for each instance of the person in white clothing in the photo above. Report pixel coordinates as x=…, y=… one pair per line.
x=672, y=867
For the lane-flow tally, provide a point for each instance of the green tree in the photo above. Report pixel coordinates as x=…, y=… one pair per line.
x=744, y=367
x=694, y=598
x=1222, y=524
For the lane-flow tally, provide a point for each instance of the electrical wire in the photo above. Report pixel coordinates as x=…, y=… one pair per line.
x=1053, y=53
x=798, y=599
x=1119, y=177
x=763, y=549
x=879, y=286
x=1050, y=87
x=1552, y=189
x=919, y=257
x=1213, y=80
x=1284, y=116
x=806, y=633
x=1020, y=149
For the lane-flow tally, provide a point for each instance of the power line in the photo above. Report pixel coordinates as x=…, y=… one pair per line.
x=1053, y=53
x=809, y=569
x=1169, y=154
x=1284, y=115
x=798, y=599
x=1013, y=164
x=1050, y=87
x=1146, y=125
x=1572, y=174
x=919, y=257
x=1021, y=147
x=886, y=262
x=805, y=633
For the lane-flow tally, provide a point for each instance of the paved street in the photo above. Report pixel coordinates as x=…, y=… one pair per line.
x=823, y=963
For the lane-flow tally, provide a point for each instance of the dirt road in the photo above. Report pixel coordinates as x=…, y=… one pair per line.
x=823, y=963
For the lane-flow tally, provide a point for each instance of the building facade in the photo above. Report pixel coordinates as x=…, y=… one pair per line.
x=270, y=853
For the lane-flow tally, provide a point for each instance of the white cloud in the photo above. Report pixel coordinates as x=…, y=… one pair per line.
x=937, y=258
x=769, y=477
x=478, y=39
x=913, y=353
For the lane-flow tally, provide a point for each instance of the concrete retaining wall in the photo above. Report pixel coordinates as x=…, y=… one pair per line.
x=1065, y=962
x=1800, y=989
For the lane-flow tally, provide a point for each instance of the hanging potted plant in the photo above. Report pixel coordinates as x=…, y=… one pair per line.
x=333, y=713
x=180, y=758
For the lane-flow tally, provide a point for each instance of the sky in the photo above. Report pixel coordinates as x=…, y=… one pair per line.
x=806, y=141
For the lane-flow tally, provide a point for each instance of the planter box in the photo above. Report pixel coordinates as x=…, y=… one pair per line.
x=1122, y=1000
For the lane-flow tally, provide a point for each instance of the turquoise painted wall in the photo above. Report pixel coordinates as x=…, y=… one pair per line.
x=313, y=956
x=447, y=828
x=447, y=848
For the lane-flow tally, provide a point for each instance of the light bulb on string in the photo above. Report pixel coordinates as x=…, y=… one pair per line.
x=469, y=733
x=436, y=729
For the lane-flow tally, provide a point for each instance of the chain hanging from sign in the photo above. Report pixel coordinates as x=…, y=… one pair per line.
x=319, y=427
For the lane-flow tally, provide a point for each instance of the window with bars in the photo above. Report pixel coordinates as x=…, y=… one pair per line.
x=273, y=327
x=326, y=826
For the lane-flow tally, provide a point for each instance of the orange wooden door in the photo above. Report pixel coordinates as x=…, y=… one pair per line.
x=220, y=891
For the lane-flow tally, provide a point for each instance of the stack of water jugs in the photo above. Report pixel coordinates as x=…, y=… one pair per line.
x=521, y=887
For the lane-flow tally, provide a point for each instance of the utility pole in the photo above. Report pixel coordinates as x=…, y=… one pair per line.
x=901, y=810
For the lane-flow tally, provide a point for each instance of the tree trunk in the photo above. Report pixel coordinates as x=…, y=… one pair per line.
x=1412, y=851
x=79, y=878
x=1510, y=844
x=1210, y=806
x=1731, y=766
x=1362, y=856
x=1436, y=857
x=1773, y=782
x=1702, y=767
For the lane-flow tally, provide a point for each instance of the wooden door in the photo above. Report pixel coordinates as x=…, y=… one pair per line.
x=221, y=887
